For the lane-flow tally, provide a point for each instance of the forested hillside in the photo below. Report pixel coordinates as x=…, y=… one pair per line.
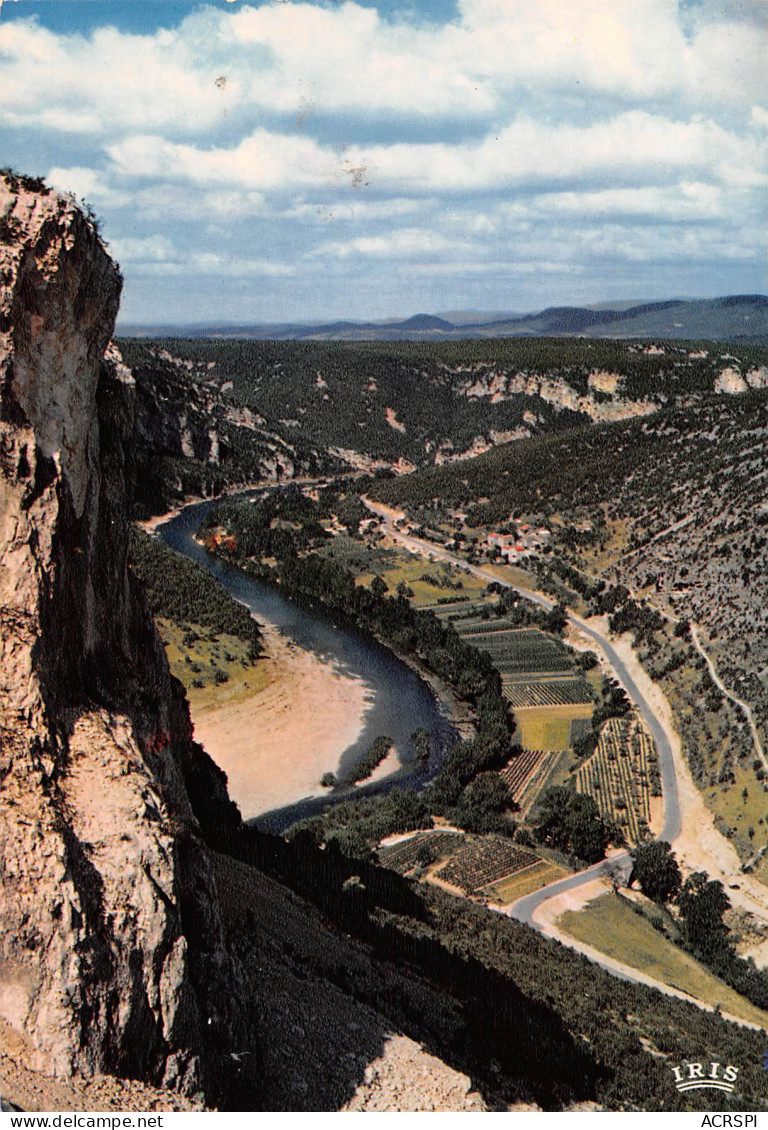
x=191, y=439
x=402, y=404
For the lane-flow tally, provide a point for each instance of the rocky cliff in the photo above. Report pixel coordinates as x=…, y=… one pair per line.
x=112, y=952
x=192, y=436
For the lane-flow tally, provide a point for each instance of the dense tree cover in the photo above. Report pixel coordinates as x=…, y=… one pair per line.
x=571, y=822
x=482, y=807
x=637, y=461
x=338, y=394
x=178, y=589
x=190, y=439
x=370, y=760
x=359, y=823
x=703, y=902
x=656, y=870
x=533, y=1019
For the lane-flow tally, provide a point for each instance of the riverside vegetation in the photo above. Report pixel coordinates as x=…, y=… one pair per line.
x=146, y=930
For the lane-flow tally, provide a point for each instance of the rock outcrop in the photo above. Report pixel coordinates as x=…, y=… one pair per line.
x=113, y=956
x=191, y=437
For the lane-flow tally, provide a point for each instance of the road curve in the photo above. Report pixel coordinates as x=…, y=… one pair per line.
x=524, y=909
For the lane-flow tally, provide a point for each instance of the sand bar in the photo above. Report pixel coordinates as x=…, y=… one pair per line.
x=276, y=744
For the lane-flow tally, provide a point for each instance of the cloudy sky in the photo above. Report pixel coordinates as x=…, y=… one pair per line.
x=292, y=161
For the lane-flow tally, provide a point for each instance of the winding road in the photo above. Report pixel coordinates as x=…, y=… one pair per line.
x=523, y=910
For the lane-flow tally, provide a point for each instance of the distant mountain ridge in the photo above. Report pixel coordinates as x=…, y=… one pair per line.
x=743, y=316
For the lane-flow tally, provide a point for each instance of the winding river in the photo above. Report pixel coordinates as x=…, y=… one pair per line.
x=400, y=702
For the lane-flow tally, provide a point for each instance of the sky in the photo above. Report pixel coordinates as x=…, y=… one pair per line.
x=285, y=161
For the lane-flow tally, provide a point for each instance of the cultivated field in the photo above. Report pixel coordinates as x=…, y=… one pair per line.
x=554, y=692
x=550, y=727
x=525, y=882
x=484, y=861
x=622, y=775
x=423, y=849
x=525, y=773
x=516, y=651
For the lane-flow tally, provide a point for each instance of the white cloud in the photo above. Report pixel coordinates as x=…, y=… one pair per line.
x=305, y=60
x=634, y=145
x=685, y=201
x=405, y=243
x=262, y=161
x=356, y=210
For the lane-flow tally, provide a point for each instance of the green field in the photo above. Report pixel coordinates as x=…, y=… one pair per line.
x=213, y=668
x=615, y=929
x=525, y=882
x=428, y=582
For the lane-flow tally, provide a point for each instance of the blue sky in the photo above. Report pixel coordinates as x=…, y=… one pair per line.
x=285, y=161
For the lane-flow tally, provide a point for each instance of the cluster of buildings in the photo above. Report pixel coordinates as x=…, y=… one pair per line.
x=526, y=542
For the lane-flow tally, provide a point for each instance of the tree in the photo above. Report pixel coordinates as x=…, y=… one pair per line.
x=556, y=621
x=589, y=833
x=703, y=902
x=570, y=821
x=655, y=868
x=379, y=586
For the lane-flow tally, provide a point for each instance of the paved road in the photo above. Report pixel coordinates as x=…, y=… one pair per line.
x=524, y=908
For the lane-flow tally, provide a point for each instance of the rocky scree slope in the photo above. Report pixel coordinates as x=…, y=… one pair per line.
x=113, y=955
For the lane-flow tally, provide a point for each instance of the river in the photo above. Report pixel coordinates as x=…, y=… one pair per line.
x=401, y=702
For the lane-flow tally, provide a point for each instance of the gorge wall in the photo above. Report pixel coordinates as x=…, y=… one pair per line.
x=112, y=952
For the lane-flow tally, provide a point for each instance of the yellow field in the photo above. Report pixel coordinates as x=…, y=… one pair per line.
x=525, y=882
x=208, y=655
x=512, y=574
x=612, y=926
x=549, y=727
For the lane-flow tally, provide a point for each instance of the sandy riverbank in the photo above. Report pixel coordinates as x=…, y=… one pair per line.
x=274, y=745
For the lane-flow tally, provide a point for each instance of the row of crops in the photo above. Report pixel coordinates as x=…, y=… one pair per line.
x=422, y=849
x=457, y=609
x=560, y=692
x=623, y=775
x=483, y=862
x=515, y=650
x=521, y=769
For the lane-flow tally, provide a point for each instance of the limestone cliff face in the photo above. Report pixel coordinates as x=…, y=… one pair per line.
x=112, y=953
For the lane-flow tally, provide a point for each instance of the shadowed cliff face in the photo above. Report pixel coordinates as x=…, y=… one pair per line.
x=112, y=952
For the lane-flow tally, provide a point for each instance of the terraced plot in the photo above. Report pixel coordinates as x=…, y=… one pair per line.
x=622, y=775
x=424, y=848
x=485, y=861
x=479, y=625
x=525, y=882
x=553, y=692
x=526, y=774
x=520, y=770
x=516, y=651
